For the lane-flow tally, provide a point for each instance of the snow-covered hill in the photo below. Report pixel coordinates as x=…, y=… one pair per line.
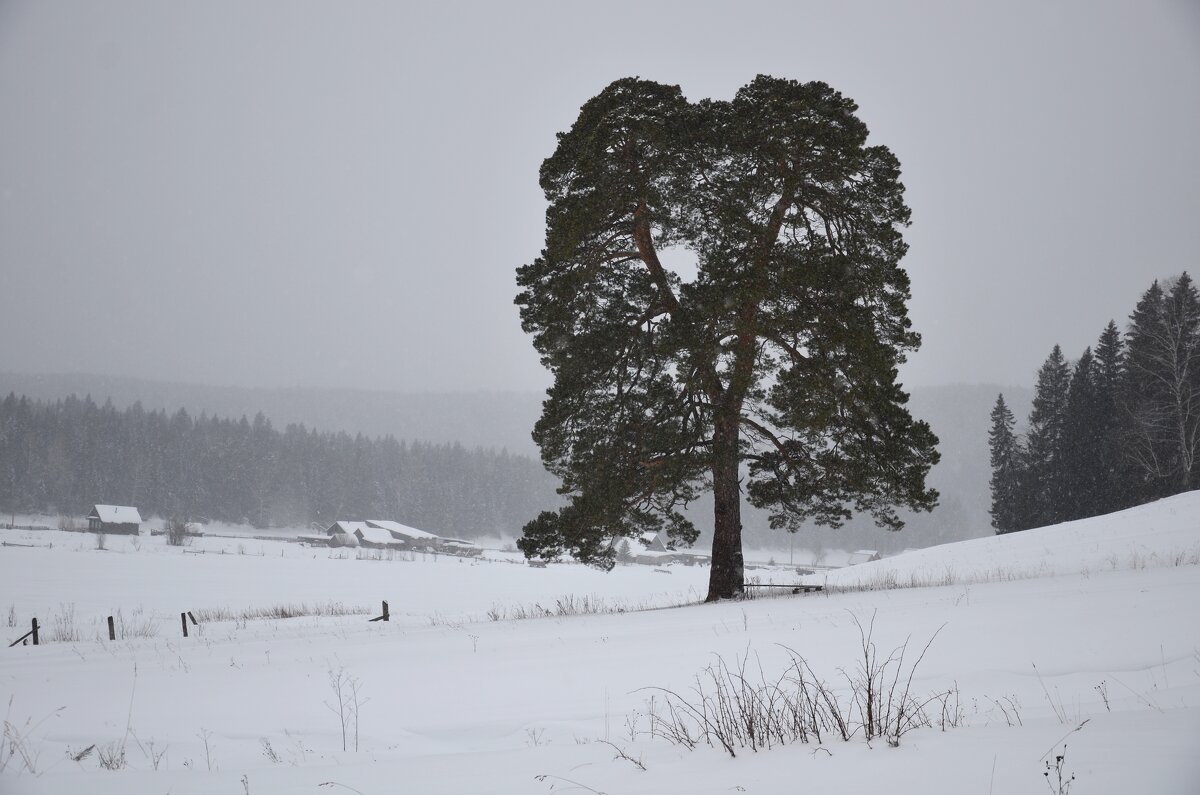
x=1083, y=636
x=1163, y=533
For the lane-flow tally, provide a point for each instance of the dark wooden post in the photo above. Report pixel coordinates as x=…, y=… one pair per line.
x=112, y=631
x=183, y=623
x=385, y=611
x=34, y=632
x=195, y=623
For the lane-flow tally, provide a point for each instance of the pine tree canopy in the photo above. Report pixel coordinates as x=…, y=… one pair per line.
x=774, y=367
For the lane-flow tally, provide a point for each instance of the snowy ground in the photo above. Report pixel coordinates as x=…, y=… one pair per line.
x=454, y=702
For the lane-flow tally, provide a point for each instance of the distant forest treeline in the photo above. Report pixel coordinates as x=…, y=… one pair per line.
x=66, y=455
x=958, y=414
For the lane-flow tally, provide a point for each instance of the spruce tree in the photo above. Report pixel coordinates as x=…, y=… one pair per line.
x=1044, y=487
x=1081, y=445
x=1116, y=473
x=1006, y=457
x=774, y=368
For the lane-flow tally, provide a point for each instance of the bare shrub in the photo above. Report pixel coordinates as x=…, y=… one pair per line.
x=155, y=755
x=205, y=735
x=886, y=709
x=101, y=541
x=293, y=610
x=570, y=605
x=622, y=754
x=268, y=751
x=111, y=755
x=15, y=741
x=137, y=625
x=348, y=700
x=739, y=706
x=1057, y=778
x=63, y=629
x=1009, y=707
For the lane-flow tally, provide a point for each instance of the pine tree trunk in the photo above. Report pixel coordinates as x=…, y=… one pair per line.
x=727, y=574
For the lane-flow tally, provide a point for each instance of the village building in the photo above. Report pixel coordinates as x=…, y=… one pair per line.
x=649, y=549
x=408, y=537
x=385, y=533
x=115, y=519
x=862, y=556
x=461, y=547
x=341, y=531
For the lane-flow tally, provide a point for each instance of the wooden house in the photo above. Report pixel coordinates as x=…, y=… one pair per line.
x=115, y=519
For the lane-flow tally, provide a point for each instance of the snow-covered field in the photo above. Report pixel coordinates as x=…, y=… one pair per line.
x=1093, y=624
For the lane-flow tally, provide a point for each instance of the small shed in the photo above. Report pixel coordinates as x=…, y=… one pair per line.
x=115, y=519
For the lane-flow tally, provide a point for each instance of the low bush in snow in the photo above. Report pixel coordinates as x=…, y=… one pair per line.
x=734, y=707
x=292, y=610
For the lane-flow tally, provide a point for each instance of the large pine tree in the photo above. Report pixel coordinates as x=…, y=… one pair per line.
x=775, y=367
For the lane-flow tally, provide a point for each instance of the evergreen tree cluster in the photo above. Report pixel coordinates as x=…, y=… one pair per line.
x=63, y=457
x=1119, y=428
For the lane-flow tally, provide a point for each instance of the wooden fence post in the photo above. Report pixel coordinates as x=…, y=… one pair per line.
x=183, y=623
x=386, y=616
x=112, y=631
x=35, y=632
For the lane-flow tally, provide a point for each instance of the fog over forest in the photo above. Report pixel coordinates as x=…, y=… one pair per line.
x=502, y=420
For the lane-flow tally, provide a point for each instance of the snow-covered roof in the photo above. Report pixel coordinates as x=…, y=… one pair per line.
x=648, y=541
x=343, y=526
x=373, y=535
x=401, y=530
x=116, y=514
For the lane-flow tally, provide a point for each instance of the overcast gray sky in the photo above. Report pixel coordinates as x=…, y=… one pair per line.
x=295, y=193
